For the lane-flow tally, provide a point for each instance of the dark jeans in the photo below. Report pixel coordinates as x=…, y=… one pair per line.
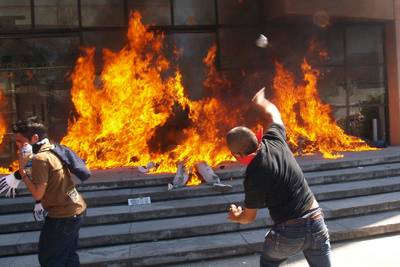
x=58, y=242
x=309, y=236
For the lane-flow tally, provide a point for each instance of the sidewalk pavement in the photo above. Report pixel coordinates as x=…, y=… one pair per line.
x=376, y=252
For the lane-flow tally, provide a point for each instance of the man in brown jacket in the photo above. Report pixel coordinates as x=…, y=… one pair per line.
x=50, y=183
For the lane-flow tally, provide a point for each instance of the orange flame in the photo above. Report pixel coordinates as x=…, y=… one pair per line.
x=3, y=128
x=3, y=125
x=310, y=127
x=125, y=114
x=194, y=179
x=130, y=113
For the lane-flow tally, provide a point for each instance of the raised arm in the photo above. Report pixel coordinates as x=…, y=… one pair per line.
x=267, y=107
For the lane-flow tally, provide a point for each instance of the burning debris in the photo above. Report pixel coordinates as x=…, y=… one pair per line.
x=181, y=176
x=204, y=170
x=149, y=166
x=211, y=178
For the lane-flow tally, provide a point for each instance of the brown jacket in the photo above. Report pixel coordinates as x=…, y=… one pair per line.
x=61, y=199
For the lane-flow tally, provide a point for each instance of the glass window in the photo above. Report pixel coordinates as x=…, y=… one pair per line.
x=331, y=85
x=62, y=13
x=331, y=41
x=366, y=85
x=194, y=12
x=193, y=48
x=42, y=92
x=112, y=40
x=367, y=122
x=364, y=44
x=154, y=12
x=102, y=13
x=15, y=14
x=38, y=70
x=340, y=115
x=38, y=52
x=238, y=12
x=237, y=49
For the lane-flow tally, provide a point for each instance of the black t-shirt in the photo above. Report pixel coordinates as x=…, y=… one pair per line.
x=274, y=179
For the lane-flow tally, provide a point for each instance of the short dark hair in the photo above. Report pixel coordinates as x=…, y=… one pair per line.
x=29, y=127
x=241, y=140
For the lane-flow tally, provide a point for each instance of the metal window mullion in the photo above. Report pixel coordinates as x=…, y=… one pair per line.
x=217, y=37
x=126, y=13
x=172, y=2
x=78, y=2
x=32, y=5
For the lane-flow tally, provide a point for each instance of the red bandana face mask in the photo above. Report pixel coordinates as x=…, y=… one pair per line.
x=246, y=160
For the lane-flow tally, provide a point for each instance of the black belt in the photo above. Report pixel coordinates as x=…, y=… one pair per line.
x=311, y=215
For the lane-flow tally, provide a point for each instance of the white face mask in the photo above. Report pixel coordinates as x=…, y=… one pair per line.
x=26, y=150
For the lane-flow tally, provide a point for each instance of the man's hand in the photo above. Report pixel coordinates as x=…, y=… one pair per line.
x=269, y=108
x=238, y=215
x=234, y=212
x=259, y=98
x=23, y=159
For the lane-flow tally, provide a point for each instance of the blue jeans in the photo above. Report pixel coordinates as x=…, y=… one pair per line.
x=58, y=242
x=308, y=235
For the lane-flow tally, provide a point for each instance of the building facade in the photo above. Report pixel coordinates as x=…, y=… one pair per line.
x=40, y=41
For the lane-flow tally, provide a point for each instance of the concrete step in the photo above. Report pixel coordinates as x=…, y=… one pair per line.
x=120, y=196
x=360, y=199
x=243, y=241
x=353, y=174
x=96, y=197
x=350, y=159
x=172, y=228
x=356, y=188
x=356, y=165
x=217, y=203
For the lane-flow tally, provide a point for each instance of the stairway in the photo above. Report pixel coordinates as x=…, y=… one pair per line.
x=359, y=194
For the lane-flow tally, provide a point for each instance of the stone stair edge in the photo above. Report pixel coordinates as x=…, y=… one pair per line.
x=247, y=247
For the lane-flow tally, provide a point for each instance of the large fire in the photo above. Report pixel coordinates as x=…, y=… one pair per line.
x=136, y=110
x=126, y=118
x=310, y=127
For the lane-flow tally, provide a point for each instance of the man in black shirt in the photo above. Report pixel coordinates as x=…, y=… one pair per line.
x=274, y=180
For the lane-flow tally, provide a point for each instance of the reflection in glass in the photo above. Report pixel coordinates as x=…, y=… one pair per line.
x=237, y=49
x=38, y=52
x=194, y=12
x=111, y=40
x=154, y=12
x=331, y=41
x=366, y=85
x=61, y=13
x=36, y=73
x=238, y=12
x=15, y=14
x=364, y=44
x=190, y=59
x=362, y=120
x=102, y=13
x=331, y=85
x=339, y=114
